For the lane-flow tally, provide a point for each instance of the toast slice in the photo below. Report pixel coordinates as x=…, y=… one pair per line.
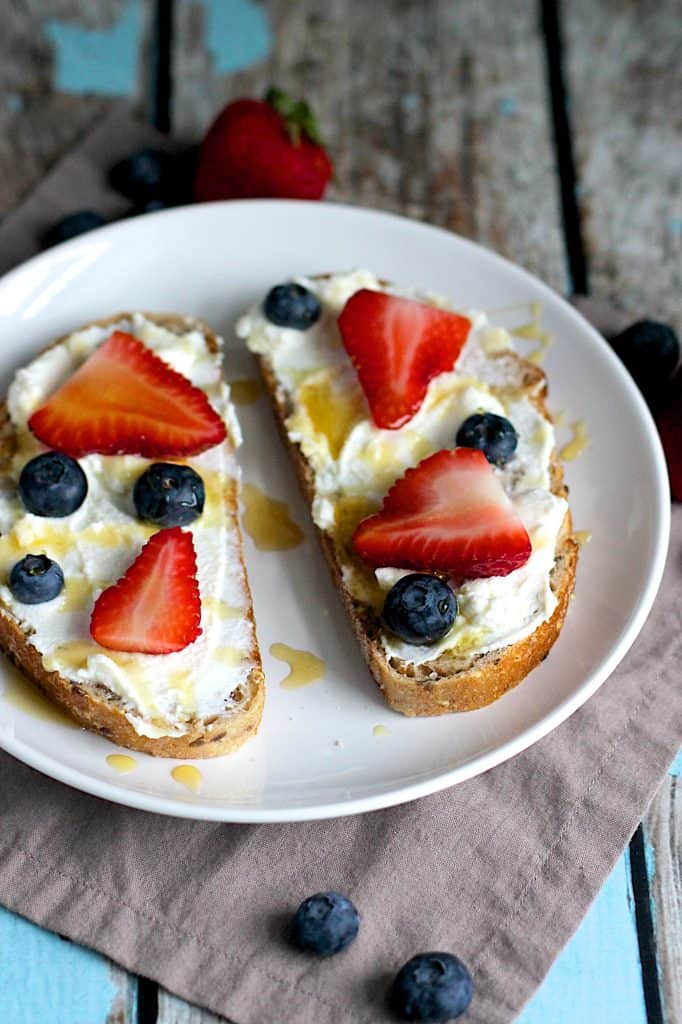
x=456, y=679
x=199, y=702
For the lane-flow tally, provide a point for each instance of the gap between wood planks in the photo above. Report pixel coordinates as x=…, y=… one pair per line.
x=578, y=268
x=550, y=19
x=160, y=114
x=147, y=1001
x=646, y=937
x=563, y=146
x=162, y=74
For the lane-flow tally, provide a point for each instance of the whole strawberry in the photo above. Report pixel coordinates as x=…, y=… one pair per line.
x=261, y=148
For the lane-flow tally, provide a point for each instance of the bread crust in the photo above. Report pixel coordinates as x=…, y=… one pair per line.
x=102, y=712
x=445, y=684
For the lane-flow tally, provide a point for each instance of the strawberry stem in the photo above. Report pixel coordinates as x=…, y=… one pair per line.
x=297, y=115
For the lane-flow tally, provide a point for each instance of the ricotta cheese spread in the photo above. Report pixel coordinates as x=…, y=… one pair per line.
x=159, y=694
x=355, y=463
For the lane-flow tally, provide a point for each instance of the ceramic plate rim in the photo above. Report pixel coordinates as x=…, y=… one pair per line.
x=438, y=780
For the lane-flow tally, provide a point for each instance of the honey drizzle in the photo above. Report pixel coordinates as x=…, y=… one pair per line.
x=189, y=776
x=221, y=609
x=19, y=693
x=182, y=681
x=304, y=668
x=531, y=330
x=331, y=412
x=110, y=535
x=578, y=443
x=73, y=655
x=217, y=487
x=538, y=354
x=229, y=655
x=268, y=521
x=76, y=594
x=121, y=763
x=245, y=391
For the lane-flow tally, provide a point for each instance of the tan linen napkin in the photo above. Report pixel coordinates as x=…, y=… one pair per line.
x=499, y=870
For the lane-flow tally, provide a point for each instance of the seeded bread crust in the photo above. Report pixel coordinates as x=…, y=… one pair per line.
x=447, y=683
x=99, y=709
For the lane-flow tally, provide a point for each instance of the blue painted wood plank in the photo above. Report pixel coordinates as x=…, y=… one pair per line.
x=236, y=34
x=98, y=60
x=597, y=978
x=45, y=978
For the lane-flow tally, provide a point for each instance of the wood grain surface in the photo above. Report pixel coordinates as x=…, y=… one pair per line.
x=176, y=1011
x=40, y=39
x=441, y=111
x=624, y=76
x=434, y=110
x=623, y=71
x=663, y=831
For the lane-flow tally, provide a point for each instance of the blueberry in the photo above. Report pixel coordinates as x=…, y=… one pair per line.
x=651, y=352
x=492, y=434
x=151, y=206
x=35, y=579
x=169, y=495
x=292, y=305
x=431, y=987
x=184, y=172
x=52, y=484
x=420, y=608
x=144, y=175
x=325, y=923
x=74, y=224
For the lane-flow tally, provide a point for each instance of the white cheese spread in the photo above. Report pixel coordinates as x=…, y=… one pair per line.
x=160, y=694
x=355, y=463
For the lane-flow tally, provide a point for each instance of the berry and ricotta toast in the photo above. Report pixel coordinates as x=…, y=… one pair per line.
x=424, y=447
x=123, y=593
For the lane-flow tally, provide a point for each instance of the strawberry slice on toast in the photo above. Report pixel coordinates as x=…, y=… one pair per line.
x=155, y=608
x=397, y=346
x=125, y=400
x=449, y=514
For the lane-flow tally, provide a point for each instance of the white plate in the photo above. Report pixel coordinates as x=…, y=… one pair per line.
x=317, y=755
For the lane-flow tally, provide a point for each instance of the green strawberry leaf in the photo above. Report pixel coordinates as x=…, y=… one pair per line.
x=298, y=116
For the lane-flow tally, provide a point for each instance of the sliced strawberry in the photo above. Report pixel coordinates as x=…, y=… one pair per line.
x=397, y=346
x=155, y=608
x=124, y=400
x=449, y=514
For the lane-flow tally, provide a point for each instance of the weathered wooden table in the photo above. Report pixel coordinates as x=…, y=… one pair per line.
x=549, y=132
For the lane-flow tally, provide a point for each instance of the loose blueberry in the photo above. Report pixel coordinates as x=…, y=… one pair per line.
x=492, y=434
x=169, y=495
x=651, y=352
x=325, y=923
x=152, y=206
x=36, y=579
x=420, y=608
x=184, y=173
x=292, y=305
x=144, y=175
x=52, y=484
x=431, y=987
x=75, y=224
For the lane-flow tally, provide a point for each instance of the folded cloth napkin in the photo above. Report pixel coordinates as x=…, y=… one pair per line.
x=499, y=870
